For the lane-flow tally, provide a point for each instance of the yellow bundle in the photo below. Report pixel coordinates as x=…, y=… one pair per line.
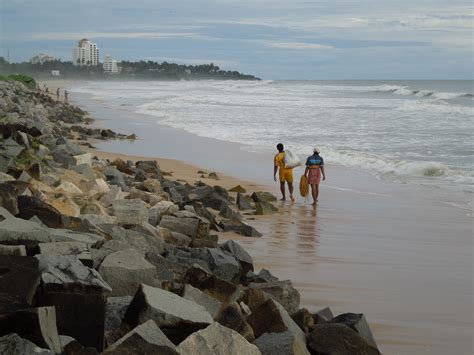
x=304, y=186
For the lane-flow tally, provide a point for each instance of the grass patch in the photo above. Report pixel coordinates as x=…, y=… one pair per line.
x=25, y=79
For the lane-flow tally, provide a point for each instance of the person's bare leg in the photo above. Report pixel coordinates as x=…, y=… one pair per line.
x=282, y=189
x=314, y=193
x=290, y=188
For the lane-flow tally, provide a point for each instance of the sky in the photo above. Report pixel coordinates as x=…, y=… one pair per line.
x=272, y=39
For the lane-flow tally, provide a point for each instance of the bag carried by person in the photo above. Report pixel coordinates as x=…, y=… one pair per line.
x=304, y=186
x=291, y=159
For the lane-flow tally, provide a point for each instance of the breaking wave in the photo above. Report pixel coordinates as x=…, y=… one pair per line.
x=408, y=91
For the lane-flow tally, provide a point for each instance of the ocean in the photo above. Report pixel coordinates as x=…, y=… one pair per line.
x=416, y=132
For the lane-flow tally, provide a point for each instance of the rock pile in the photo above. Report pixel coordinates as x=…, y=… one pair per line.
x=113, y=257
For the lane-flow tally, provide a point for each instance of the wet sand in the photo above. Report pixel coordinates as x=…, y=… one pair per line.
x=397, y=253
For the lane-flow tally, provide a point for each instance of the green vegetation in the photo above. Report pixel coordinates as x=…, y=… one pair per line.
x=25, y=79
x=142, y=70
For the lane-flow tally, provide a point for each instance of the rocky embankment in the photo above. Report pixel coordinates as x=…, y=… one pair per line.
x=117, y=258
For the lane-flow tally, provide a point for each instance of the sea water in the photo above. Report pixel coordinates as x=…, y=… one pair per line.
x=405, y=131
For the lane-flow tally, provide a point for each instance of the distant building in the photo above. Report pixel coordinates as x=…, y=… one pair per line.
x=41, y=59
x=55, y=73
x=85, y=53
x=188, y=71
x=110, y=65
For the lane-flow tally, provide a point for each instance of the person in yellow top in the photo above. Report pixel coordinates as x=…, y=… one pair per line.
x=284, y=173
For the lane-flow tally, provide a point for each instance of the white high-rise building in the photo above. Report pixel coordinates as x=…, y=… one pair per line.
x=85, y=53
x=110, y=65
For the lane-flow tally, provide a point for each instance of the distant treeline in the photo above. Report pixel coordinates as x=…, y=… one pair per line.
x=129, y=70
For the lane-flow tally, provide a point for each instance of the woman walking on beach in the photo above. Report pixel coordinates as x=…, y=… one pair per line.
x=314, y=170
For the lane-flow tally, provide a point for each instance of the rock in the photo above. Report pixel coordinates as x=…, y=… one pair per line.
x=8, y=198
x=65, y=206
x=35, y=324
x=231, y=317
x=336, y=338
x=263, y=208
x=240, y=254
x=209, y=303
x=122, y=166
x=186, y=226
x=303, y=319
x=78, y=249
x=5, y=178
x=66, y=235
x=227, y=212
x=129, y=211
x=213, y=176
x=238, y=189
x=322, y=316
x=271, y=317
x=358, y=323
x=261, y=196
x=263, y=276
x=146, y=338
x=224, y=265
x=114, y=312
x=239, y=227
x=115, y=177
x=18, y=250
x=18, y=282
x=13, y=344
x=167, y=269
x=78, y=293
x=85, y=170
x=64, y=158
x=125, y=270
x=216, y=340
x=99, y=186
x=152, y=185
x=35, y=171
x=207, y=196
x=115, y=193
x=143, y=243
x=178, y=239
x=208, y=283
x=33, y=206
x=284, y=343
x=148, y=166
x=83, y=159
x=176, y=316
x=283, y=292
x=69, y=188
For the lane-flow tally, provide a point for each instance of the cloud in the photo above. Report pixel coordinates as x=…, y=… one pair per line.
x=93, y=35
x=298, y=45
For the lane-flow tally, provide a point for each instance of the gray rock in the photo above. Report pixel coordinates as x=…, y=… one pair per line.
x=322, y=316
x=166, y=268
x=148, y=333
x=240, y=254
x=165, y=308
x=186, y=226
x=284, y=343
x=283, y=292
x=115, y=310
x=8, y=198
x=261, y=196
x=86, y=170
x=209, y=303
x=223, y=264
x=336, y=338
x=129, y=211
x=115, y=177
x=358, y=323
x=13, y=344
x=68, y=270
x=143, y=243
x=264, y=208
x=229, y=213
x=231, y=316
x=217, y=340
x=239, y=228
x=125, y=270
x=78, y=249
x=271, y=317
x=114, y=194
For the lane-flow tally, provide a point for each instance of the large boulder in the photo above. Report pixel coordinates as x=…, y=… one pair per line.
x=285, y=343
x=231, y=316
x=240, y=254
x=217, y=340
x=337, y=338
x=176, y=316
x=264, y=208
x=358, y=323
x=239, y=227
x=35, y=324
x=129, y=211
x=114, y=312
x=145, y=338
x=125, y=270
x=8, y=198
x=261, y=196
x=283, y=292
x=186, y=226
x=30, y=206
x=209, y=303
x=79, y=295
x=79, y=249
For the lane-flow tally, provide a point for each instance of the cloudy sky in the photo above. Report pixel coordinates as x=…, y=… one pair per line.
x=273, y=39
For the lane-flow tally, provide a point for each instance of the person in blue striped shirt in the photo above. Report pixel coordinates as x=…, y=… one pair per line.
x=314, y=170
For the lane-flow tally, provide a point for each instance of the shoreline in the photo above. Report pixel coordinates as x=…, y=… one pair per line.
x=334, y=194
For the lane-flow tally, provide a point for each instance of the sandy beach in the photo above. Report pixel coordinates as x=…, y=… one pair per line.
x=390, y=251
